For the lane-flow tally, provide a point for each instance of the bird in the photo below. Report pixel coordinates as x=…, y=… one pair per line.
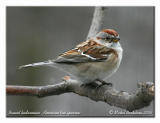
x=95, y=59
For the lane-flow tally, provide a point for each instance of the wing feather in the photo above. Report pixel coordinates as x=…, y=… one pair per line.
x=89, y=51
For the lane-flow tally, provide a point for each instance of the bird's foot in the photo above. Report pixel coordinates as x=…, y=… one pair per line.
x=104, y=82
x=92, y=84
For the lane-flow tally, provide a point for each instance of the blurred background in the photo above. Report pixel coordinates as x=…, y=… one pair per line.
x=37, y=34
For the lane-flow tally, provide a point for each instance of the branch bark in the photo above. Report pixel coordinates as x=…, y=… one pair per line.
x=97, y=22
x=141, y=98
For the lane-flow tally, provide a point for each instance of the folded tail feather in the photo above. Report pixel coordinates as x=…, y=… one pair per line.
x=45, y=63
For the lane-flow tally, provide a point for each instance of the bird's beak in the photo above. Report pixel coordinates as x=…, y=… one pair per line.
x=116, y=39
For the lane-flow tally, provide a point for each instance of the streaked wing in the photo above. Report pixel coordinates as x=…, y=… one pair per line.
x=89, y=51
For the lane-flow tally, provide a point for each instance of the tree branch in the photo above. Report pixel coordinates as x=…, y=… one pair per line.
x=141, y=98
x=97, y=22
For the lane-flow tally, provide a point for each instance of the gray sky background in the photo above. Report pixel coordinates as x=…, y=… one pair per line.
x=37, y=34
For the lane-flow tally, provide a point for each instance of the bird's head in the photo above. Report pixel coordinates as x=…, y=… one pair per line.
x=108, y=35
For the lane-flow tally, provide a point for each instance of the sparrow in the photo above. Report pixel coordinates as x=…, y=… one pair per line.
x=93, y=60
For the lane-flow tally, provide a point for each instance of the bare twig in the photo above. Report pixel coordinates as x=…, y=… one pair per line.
x=143, y=96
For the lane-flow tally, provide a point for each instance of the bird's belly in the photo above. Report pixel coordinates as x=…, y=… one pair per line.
x=89, y=72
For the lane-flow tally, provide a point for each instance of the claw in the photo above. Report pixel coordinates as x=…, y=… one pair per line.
x=104, y=83
x=93, y=84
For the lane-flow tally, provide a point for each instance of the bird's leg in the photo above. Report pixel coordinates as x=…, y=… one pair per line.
x=103, y=82
x=97, y=85
x=92, y=84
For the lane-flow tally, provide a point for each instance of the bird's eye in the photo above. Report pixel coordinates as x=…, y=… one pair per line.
x=107, y=38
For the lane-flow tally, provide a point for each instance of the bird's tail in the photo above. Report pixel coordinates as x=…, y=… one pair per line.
x=45, y=63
